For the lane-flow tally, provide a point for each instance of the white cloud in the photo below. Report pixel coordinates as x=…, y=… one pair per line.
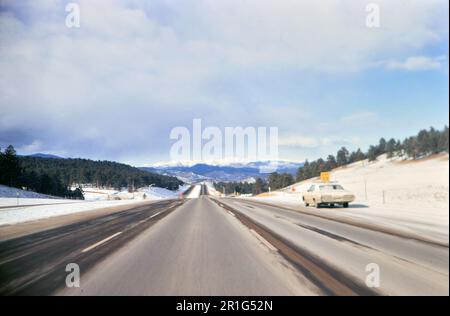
x=134, y=70
x=298, y=141
x=417, y=63
x=34, y=147
x=314, y=142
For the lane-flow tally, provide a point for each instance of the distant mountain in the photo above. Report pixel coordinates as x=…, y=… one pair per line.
x=42, y=155
x=227, y=173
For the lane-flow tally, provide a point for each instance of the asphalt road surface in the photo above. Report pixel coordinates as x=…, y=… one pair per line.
x=35, y=264
x=198, y=250
x=218, y=246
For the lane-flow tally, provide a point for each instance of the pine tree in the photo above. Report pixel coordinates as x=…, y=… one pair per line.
x=443, y=140
x=372, y=153
x=382, y=146
x=342, y=157
x=331, y=163
x=390, y=147
x=9, y=167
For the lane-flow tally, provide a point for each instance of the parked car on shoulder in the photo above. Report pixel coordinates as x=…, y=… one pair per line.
x=321, y=194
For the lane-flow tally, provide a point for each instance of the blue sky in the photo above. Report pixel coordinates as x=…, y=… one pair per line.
x=115, y=87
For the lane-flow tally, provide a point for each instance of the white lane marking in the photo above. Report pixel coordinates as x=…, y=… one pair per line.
x=263, y=240
x=155, y=214
x=101, y=242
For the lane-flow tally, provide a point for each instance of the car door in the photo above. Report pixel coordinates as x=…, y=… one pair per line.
x=308, y=194
x=317, y=195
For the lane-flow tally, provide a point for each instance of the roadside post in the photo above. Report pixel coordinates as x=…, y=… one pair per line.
x=365, y=187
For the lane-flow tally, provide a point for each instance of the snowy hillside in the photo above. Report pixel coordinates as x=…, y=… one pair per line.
x=395, y=192
x=8, y=192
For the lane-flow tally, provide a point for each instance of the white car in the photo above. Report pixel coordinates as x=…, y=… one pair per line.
x=320, y=194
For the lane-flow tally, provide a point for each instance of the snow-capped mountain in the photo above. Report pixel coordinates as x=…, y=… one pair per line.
x=245, y=172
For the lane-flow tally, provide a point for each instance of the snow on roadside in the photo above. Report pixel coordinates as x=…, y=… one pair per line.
x=96, y=194
x=21, y=202
x=145, y=193
x=24, y=214
x=211, y=189
x=195, y=193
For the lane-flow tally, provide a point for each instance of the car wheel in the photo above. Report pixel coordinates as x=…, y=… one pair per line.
x=345, y=205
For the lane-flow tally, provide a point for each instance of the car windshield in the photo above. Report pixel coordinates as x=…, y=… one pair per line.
x=331, y=187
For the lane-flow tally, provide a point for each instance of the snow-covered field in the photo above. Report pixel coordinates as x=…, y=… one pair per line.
x=416, y=194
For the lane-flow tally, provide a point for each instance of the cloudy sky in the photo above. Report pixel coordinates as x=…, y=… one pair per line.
x=115, y=87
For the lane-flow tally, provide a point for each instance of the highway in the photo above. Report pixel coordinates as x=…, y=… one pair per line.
x=206, y=245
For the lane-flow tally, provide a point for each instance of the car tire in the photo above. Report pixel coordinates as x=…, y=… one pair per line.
x=345, y=205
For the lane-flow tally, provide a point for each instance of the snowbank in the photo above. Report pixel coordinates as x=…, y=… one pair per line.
x=16, y=215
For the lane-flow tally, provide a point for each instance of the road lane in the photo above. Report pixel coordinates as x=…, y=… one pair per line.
x=199, y=249
x=35, y=264
x=407, y=266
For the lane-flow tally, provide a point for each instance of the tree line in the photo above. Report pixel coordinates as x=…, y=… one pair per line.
x=241, y=187
x=55, y=176
x=13, y=174
x=275, y=181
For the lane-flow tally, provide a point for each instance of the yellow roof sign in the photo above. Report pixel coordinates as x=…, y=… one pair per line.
x=325, y=176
